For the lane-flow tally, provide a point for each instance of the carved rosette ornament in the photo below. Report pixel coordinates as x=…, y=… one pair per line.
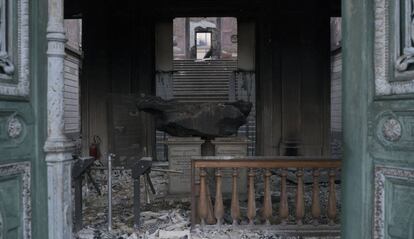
x=15, y=128
x=392, y=130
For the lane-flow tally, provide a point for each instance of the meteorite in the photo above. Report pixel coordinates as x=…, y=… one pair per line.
x=205, y=120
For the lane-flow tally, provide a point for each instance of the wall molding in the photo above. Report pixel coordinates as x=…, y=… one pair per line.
x=19, y=86
x=391, y=77
x=22, y=170
x=382, y=175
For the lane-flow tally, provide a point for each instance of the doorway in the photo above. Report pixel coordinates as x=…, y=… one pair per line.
x=204, y=67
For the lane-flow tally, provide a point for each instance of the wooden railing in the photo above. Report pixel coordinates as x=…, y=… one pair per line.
x=204, y=212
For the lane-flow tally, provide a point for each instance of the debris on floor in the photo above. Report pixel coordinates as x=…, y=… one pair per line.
x=168, y=217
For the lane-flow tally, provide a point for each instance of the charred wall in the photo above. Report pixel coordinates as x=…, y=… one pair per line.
x=293, y=80
x=119, y=62
x=292, y=68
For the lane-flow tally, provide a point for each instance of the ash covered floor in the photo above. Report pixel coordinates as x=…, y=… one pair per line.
x=167, y=217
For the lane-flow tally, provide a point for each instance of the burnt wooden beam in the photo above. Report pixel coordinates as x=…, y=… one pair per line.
x=80, y=167
x=141, y=167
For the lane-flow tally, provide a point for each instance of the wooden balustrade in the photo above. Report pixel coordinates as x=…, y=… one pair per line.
x=283, y=208
x=312, y=167
x=202, y=206
x=332, y=198
x=235, y=208
x=251, y=198
x=316, y=206
x=267, y=199
x=300, y=201
x=218, y=206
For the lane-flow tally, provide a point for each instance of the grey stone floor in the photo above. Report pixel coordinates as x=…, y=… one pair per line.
x=169, y=218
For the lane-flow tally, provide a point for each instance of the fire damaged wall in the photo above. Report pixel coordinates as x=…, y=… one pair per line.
x=119, y=63
x=293, y=79
x=291, y=66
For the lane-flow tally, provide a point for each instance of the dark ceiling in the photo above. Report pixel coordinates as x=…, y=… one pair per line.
x=177, y=8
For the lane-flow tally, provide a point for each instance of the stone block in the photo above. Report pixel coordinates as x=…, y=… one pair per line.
x=180, y=151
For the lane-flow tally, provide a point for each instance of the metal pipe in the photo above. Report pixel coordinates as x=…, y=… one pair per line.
x=110, y=191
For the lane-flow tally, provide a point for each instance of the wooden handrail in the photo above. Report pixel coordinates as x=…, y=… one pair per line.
x=257, y=162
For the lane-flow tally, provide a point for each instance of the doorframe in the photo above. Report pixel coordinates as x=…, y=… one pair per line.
x=357, y=175
x=358, y=80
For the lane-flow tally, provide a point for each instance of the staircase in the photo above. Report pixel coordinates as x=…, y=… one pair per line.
x=207, y=81
x=202, y=81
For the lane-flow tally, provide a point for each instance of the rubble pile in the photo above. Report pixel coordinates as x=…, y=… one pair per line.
x=168, y=217
x=171, y=223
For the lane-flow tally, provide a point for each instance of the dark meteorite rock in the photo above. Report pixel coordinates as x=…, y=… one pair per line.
x=206, y=120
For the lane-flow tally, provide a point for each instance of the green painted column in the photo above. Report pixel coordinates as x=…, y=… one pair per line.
x=357, y=75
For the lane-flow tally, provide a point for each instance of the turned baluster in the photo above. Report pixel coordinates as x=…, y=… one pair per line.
x=210, y=214
x=202, y=205
x=267, y=201
x=235, y=208
x=332, y=198
x=283, y=207
x=316, y=207
x=218, y=206
x=300, y=203
x=251, y=198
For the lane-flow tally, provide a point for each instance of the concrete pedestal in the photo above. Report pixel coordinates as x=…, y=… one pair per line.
x=180, y=151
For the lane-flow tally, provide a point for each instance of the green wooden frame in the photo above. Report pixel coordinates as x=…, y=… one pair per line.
x=378, y=116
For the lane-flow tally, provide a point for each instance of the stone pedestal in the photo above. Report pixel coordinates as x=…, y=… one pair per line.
x=232, y=146
x=180, y=151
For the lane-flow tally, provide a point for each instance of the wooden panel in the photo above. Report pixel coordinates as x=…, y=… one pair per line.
x=393, y=208
x=336, y=93
x=71, y=94
x=15, y=206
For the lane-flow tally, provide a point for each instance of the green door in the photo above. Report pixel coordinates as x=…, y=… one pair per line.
x=22, y=125
x=378, y=171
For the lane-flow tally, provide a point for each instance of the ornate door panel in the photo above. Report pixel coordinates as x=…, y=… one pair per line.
x=379, y=119
x=391, y=128
x=17, y=131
